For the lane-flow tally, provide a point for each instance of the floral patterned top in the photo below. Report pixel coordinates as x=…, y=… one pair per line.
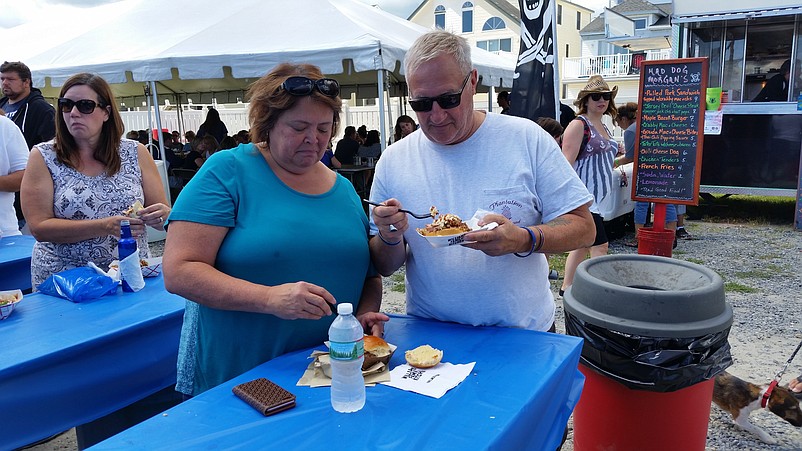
x=79, y=196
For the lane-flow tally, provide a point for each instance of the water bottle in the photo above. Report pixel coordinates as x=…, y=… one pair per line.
x=125, y=247
x=346, y=349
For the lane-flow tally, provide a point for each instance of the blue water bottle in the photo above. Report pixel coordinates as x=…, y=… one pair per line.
x=125, y=247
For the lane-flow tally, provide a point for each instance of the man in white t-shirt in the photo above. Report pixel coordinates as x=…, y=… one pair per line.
x=462, y=160
x=13, y=158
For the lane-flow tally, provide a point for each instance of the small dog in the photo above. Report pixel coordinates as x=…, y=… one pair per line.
x=740, y=398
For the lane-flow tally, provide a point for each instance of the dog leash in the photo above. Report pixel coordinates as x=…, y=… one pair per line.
x=765, y=401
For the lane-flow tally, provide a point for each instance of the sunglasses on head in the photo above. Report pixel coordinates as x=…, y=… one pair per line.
x=85, y=106
x=302, y=86
x=446, y=101
x=596, y=96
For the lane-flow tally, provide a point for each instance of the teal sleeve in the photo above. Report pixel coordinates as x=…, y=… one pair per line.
x=211, y=196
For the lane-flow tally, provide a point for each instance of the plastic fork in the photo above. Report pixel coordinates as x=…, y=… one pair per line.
x=376, y=204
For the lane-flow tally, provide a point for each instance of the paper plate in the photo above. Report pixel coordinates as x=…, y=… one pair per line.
x=7, y=304
x=154, y=267
x=459, y=238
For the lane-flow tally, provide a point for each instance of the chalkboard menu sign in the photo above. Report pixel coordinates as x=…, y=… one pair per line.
x=670, y=123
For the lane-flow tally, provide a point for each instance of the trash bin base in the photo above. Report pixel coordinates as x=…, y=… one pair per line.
x=610, y=416
x=654, y=242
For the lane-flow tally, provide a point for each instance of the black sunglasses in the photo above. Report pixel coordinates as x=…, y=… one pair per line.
x=596, y=96
x=85, y=106
x=446, y=101
x=302, y=86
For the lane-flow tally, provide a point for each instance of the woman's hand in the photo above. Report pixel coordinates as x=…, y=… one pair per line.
x=113, y=225
x=300, y=300
x=154, y=215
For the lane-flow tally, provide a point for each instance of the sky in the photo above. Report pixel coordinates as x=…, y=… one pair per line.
x=16, y=12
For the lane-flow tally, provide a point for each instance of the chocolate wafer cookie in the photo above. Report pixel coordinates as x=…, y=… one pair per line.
x=265, y=396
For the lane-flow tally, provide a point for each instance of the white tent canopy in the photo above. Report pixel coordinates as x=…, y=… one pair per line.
x=191, y=46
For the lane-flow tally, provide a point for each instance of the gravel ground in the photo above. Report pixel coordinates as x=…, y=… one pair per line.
x=760, y=265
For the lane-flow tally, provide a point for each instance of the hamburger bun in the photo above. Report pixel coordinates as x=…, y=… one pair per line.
x=424, y=356
x=445, y=232
x=376, y=346
x=376, y=350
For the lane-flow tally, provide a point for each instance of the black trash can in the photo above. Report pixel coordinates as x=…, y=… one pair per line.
x=655, y=332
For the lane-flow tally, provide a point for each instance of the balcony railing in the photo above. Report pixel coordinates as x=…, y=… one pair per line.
x=619, y=65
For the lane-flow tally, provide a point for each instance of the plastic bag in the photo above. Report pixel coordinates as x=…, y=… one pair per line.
x=78, y=284
x=651, y=363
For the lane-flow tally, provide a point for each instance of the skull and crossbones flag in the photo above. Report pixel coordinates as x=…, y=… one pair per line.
x=534, y=86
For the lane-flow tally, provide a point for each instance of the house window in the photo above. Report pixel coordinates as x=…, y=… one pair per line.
x=494, y=23
x=566, y=51
x=559, y=14
x=496, y=45
x=578, y=20
x=467, y=17
x=440, y=17
x=640, y=24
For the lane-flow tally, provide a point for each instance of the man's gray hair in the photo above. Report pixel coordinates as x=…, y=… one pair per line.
x=436, y=43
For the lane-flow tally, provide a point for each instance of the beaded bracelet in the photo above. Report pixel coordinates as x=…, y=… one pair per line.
x=387, y=242
x=534, y=241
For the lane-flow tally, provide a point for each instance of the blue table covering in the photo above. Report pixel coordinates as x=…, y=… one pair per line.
x=64, y=364
x=15, y=262
x=520, y=394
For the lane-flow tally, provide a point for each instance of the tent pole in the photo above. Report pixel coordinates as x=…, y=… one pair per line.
x=150, y=119
x=383, y=117
x=490, y=93
x=390, y=121
x=158, y=117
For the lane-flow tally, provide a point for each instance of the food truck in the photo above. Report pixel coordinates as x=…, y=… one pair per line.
x=755, y=56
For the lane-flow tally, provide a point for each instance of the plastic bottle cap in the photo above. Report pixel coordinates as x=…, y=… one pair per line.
x=345, y=309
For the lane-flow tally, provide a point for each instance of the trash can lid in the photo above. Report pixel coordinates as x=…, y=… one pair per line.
x=649, y=296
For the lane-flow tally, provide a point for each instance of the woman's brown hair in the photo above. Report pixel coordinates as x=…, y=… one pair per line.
x=268, y=101
x=108, y=149
x=629, y=111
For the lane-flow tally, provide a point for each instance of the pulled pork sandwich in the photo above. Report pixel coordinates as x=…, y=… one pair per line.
x=445, y=224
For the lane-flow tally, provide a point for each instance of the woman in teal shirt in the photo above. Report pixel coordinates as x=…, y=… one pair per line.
x=265, y=238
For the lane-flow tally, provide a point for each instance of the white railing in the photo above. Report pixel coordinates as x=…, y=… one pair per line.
x=236, y=119
x=619, y=65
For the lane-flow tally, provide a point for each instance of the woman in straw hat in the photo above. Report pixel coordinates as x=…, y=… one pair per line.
x=589, y=147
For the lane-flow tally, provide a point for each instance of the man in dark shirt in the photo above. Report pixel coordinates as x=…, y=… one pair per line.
x=26, y=106
x=348, y=147
x=503, y=100
x=776, y=88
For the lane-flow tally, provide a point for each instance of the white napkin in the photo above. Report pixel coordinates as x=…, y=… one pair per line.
x=473, y=223
x=434, y=382
x=131, y=271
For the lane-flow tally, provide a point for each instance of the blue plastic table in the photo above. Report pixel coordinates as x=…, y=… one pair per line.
x=64, y=364
x=15, y=262
x=519, y=396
